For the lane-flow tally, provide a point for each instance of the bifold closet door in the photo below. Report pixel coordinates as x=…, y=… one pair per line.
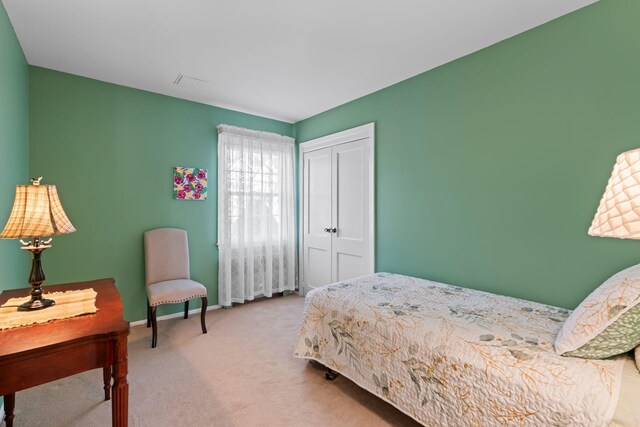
x=336, y=217
x=316, y=201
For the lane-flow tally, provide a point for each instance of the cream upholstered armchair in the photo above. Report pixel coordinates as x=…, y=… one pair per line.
x=168, y=278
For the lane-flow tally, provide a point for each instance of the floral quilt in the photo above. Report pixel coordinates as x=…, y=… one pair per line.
x=447, y=355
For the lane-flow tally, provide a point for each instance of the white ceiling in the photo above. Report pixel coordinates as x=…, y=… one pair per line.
x=283, y=59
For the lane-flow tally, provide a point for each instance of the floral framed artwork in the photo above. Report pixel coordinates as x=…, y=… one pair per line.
x=189, y=183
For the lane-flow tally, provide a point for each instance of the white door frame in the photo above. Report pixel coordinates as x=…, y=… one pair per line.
x=349, y=135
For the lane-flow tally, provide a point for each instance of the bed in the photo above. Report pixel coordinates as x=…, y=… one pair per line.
x=446, y=355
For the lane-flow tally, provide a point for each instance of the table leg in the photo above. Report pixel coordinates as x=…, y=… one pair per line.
x=9, y=406
x=120, y=403
x=106, y=375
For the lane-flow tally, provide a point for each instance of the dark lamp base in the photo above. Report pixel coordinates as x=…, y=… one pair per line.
x=36, y=304
x=36, y=277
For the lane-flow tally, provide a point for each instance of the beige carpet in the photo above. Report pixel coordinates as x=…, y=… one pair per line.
x=242, y=373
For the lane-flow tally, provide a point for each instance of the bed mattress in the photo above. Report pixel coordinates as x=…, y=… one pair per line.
x=447, y=355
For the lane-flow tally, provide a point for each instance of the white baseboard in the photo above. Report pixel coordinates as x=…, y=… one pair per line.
x=174, y=315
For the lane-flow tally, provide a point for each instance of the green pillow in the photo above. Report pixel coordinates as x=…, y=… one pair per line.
x=621, y=336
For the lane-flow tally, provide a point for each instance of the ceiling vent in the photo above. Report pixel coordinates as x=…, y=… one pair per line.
x=190, y=82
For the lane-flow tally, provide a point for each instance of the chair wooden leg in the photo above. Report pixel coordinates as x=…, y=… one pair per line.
x=106, y=375
x=203, y=313
x=186, y=309
x=148, y=315
x=154, y=327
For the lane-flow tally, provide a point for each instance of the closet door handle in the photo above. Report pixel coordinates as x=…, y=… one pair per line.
x=333, y=230
x=327, y=230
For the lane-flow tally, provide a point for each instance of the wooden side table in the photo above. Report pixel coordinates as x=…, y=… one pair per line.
x=37, y=354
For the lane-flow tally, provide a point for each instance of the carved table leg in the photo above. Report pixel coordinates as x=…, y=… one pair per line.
x=106, y=375
x=9, y=406
x=120, y=403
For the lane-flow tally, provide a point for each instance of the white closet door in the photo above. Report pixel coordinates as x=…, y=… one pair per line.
x=317, y=218
x=350, y=201
x=336, y=207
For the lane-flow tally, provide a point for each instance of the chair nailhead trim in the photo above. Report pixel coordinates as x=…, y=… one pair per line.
x=182, y=300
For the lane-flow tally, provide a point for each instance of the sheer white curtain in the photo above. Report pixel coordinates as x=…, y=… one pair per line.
x=256, y=214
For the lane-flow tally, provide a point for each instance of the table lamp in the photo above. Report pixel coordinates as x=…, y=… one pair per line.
x=36, y=212
x=618, y=214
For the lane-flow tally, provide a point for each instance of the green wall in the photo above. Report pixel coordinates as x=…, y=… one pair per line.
x=489, y=169
x=14, y=147
x=110, y=150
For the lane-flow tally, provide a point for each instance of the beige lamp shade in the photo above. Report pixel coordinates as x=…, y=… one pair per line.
x=37, y=212
x=619, y=212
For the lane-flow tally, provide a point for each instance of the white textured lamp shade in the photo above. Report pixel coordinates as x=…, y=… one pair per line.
x=619, y=212
x=37, y=212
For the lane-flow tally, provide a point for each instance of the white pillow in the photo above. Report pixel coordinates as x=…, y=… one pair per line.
x=616, y=296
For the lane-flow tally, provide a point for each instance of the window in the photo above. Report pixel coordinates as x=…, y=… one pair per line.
x=254, y=180
x=256, y=214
